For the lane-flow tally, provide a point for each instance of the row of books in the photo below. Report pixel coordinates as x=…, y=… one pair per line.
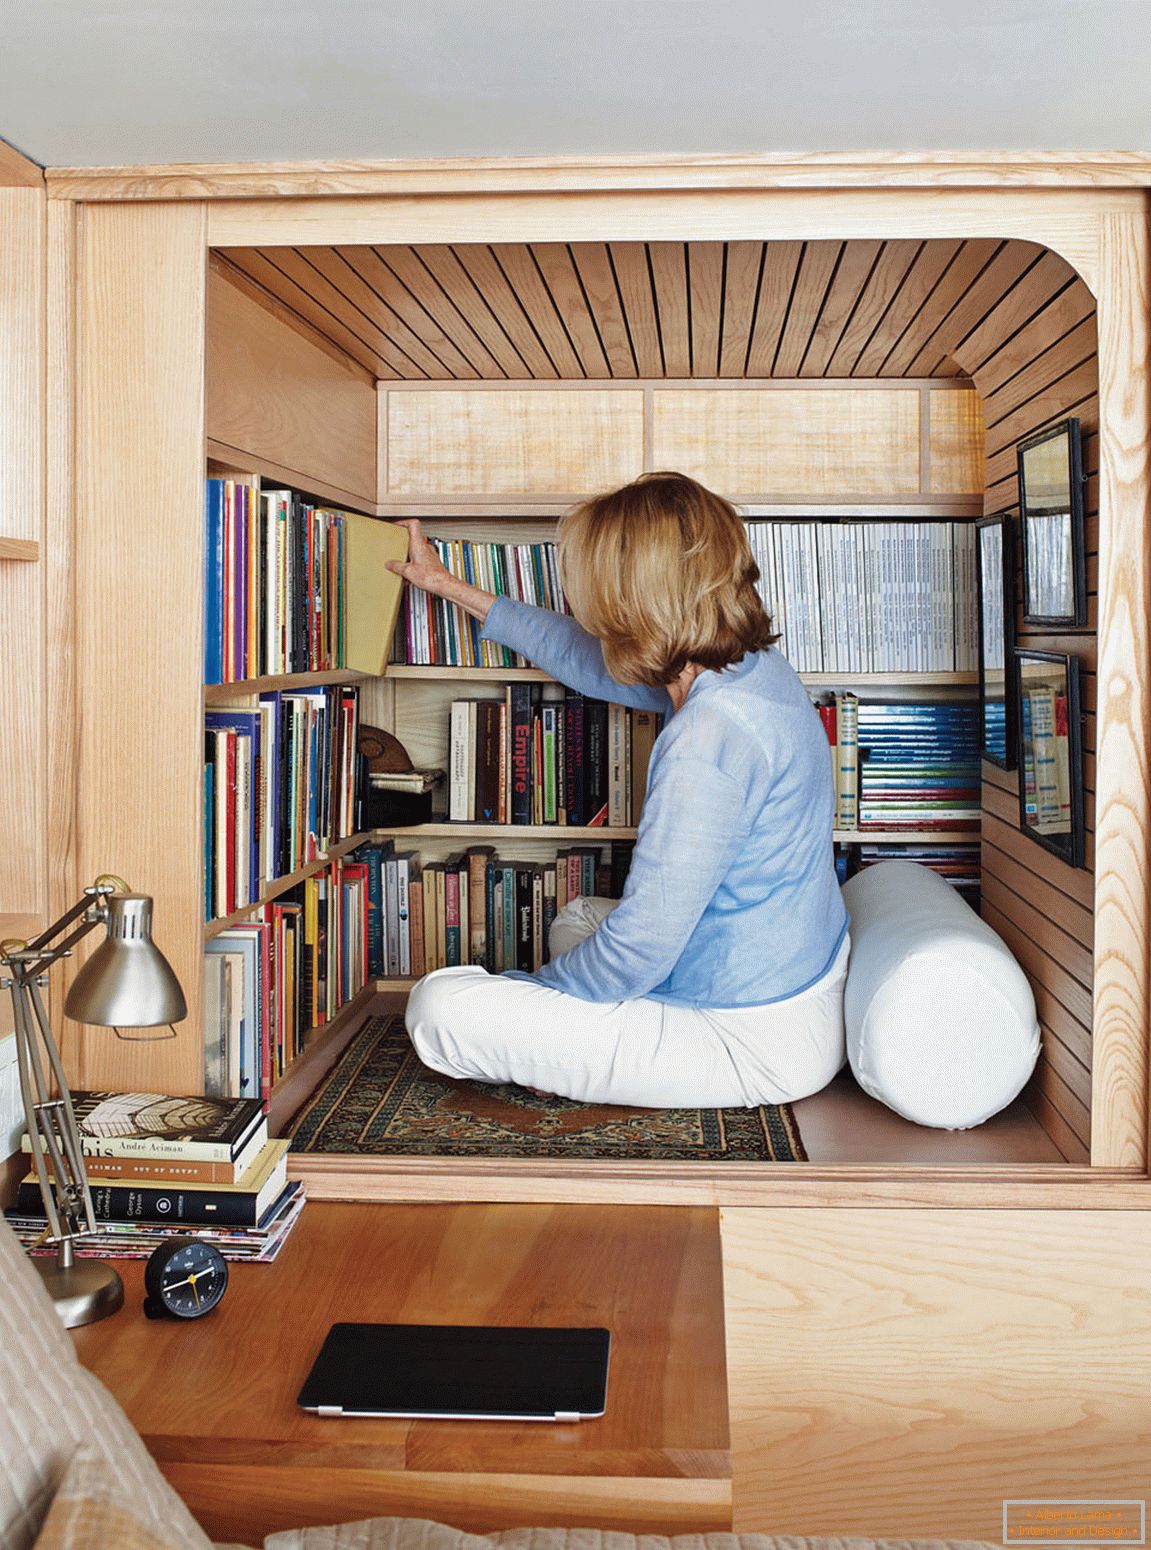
x=280, y=788
x=274, y=583
x=287, y=968
x=958, y=865
x=849, y=596
x=531, y=758
x=162, y=1166
x=431, y=631
x=904, y=765
x=291, y=587
x=871, y=597
x=476, y=907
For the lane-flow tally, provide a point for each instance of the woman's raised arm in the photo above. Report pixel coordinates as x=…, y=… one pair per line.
x=554, y=642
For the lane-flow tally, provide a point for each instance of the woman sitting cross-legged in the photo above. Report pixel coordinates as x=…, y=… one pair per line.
x=717, y=979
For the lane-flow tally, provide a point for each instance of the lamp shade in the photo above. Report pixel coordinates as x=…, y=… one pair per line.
x=127, y=982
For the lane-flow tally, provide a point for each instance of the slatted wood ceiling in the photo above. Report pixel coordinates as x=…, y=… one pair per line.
x=1011, y=316
x=547, y=311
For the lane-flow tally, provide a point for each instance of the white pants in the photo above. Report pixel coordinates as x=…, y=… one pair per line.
x=466, y=1022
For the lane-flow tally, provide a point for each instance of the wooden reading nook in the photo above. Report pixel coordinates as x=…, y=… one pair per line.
x=481, y=345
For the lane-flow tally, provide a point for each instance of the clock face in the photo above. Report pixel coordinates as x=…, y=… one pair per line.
x=187, y=1277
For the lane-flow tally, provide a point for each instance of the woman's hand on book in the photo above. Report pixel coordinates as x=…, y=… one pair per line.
x=424, y=568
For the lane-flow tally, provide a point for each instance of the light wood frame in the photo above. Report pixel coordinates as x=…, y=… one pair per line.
x=134, y=245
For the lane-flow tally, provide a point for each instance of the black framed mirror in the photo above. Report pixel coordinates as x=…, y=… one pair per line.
x=1050, y=752
x=1051, y=515
x=995, y=573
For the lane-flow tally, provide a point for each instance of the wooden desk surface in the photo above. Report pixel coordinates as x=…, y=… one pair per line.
x=216, y=1401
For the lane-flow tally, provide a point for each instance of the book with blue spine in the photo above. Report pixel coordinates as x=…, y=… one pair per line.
x=214, y=581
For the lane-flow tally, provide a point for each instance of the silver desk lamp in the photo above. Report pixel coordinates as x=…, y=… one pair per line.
x=127, y=982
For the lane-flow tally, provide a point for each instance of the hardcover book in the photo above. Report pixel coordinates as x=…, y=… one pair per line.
x=158, y=1124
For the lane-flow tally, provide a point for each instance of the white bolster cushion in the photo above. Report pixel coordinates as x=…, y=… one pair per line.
x=940, y=1018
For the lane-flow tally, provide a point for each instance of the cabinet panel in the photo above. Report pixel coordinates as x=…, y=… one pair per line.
x=899, y=1373
x=791, y=441
x=511, y=442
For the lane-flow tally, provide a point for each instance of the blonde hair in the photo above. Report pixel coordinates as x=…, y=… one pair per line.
x=662, y=572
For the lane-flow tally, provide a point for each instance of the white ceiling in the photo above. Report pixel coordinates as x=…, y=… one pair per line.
x=93, y=82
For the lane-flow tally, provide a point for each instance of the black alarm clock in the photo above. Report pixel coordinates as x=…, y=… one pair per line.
x=184, y=1279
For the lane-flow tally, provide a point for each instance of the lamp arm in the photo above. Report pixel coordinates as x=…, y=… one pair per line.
x=66, y=1130
x=30, y=1097
x=34, y=967
x=45, y=937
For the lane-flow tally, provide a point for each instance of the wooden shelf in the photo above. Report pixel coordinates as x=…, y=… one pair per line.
x=939, y=680
x=440, y=673
x=23, y=927
x=214, y=694
x=281, y=885
x=236, y=460
x=323, y=1046
x=468, y=675
x=19, y=549
x=906, y=836
x=471, y=832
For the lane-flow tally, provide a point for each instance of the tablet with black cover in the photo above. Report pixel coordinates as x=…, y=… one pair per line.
x=459, y=1372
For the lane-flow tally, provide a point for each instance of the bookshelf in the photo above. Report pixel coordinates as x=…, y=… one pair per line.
x=281, y=885
x=413, y=701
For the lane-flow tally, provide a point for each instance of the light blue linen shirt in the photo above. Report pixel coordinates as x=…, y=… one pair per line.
x=732, y=898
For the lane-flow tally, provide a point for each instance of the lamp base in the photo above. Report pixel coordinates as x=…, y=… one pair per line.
x=84, y=1291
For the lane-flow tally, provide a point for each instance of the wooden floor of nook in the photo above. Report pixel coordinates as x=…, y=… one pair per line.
x=843, y=1125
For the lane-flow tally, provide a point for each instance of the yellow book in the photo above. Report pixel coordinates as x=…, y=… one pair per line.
x=373, y=591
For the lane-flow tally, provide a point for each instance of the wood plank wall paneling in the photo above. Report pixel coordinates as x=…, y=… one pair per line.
x=1033, y=359
x=139, y=459
x=592, y=310
x=23, y=840
x=275, y=394
x=899, y=1373
x=1122, y=770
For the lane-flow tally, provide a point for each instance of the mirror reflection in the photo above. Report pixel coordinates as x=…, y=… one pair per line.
x=1050, y=789
x=993, y=640
x=1050, y=497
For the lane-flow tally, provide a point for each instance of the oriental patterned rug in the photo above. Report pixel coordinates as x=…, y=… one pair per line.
x=381, y=1100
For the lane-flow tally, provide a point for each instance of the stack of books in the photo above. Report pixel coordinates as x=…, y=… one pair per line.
x=476, y=907
x=870, y=597
x=534, y=759
x=919, y=766
x=162, y=1167
x=280, y=972
x=280, y=788
x=433, y=632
